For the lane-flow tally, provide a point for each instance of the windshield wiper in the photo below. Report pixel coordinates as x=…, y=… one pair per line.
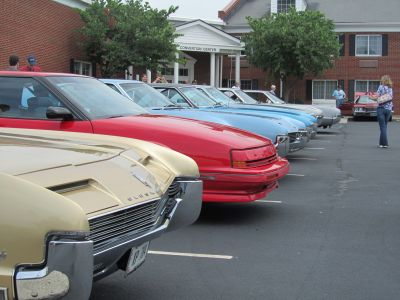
x=116, y=116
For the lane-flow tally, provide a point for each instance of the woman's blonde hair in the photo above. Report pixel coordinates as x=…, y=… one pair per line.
x=385, y=80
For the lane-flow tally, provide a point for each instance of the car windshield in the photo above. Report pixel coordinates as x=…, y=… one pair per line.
x=246, y=98
x=365, y=100
x=95, y=98
x=197, y=98
x=274, y=98
x=145, y=96
x=217, y=95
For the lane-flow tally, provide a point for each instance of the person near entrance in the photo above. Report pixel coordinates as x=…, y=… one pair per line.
x=339, y=95
x=273, y=89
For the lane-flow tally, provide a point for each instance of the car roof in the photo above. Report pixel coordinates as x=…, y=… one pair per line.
x=37, y=74
x=172, y=85
x=113, y=80
x=258, y=91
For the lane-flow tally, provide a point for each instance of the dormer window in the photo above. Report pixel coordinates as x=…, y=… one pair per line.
x=284, y=5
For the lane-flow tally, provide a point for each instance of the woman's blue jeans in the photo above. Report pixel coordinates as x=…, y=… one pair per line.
x=383, y=116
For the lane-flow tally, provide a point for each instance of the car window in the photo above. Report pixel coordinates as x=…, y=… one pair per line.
x=259, y=97
x=145, y=96
x=244, y=97
x=113, y=87
x=175, y=97
x=94, y=98
x=365, y=99
x=25, y=98
x=274, y=99
x=196, y=97
x=217, y=95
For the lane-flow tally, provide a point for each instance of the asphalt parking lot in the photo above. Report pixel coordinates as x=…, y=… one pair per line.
x=331, y=231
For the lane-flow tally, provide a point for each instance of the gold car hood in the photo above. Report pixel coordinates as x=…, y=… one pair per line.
x=38, y=153
x=21, y=154
x=99, y=173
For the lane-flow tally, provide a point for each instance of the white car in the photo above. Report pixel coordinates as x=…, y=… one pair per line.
x=330, y=115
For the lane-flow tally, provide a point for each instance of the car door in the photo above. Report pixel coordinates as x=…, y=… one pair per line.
x=24, y=102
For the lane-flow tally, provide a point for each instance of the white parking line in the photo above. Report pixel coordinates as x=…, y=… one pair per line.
x=314, y=148
x=270, y=201
x=301, y=158
x=298, y=175
x=191, y=254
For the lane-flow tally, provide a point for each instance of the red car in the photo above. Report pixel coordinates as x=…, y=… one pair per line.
x=363, y=106
x=235, y=165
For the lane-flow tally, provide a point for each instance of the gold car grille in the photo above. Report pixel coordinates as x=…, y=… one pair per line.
x=114, y=227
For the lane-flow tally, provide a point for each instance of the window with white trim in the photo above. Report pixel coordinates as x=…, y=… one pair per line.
x=82, y=67
x=284, y=5
x=369, y=45
x=323, y=89
x=366, y=85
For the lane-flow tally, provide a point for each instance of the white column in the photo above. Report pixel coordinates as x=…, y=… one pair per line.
x=212, y=69
x=148, y=73
x=217, y=70
x=130, y=72
x=237, y=67
x=221, y=68
x=176, y=69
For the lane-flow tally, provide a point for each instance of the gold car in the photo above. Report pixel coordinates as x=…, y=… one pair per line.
x=80, y=206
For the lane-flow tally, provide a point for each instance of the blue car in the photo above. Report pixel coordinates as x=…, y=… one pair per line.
x=236, y=97
x=279, y=131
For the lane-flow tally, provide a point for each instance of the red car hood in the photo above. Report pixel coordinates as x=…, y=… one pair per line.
x=370, y=105
x=176, y=132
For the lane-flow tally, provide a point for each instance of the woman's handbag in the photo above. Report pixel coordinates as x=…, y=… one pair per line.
x=384, y=98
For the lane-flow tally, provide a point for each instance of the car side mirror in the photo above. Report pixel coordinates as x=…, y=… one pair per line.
x=54, y=112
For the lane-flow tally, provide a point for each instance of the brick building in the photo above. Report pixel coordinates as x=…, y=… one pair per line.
x=46, y=28
x=368, y=29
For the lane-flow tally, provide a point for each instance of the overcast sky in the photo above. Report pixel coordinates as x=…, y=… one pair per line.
x=199, y=9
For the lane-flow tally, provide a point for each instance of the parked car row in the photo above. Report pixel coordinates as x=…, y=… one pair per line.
x=87, y=205
x=93, y=171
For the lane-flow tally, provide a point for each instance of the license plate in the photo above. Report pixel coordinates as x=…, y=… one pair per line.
x=137, y=257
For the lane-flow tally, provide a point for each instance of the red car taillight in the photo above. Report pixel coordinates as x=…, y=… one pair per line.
x=255, y=157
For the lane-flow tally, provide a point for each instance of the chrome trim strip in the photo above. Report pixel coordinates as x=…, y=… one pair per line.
x=124, y=208
x=69, y=270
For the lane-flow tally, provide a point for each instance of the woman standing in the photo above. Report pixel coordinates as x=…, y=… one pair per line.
x=384, y=110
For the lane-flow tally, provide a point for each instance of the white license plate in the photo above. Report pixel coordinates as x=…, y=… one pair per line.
x=137, y=257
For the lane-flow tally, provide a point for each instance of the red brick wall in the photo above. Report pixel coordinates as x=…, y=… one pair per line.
x=201, y=67
x=44, y=28
x=346, y=68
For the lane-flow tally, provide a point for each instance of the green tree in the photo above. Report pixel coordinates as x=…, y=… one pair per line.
x=117, y=34
x=292, y=45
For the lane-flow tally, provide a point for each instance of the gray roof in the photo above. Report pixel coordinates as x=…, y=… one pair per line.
x=358, y=11
x=340, y=11
x=253, y=8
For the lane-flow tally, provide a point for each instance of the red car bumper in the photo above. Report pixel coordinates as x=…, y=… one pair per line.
x=243, y=185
